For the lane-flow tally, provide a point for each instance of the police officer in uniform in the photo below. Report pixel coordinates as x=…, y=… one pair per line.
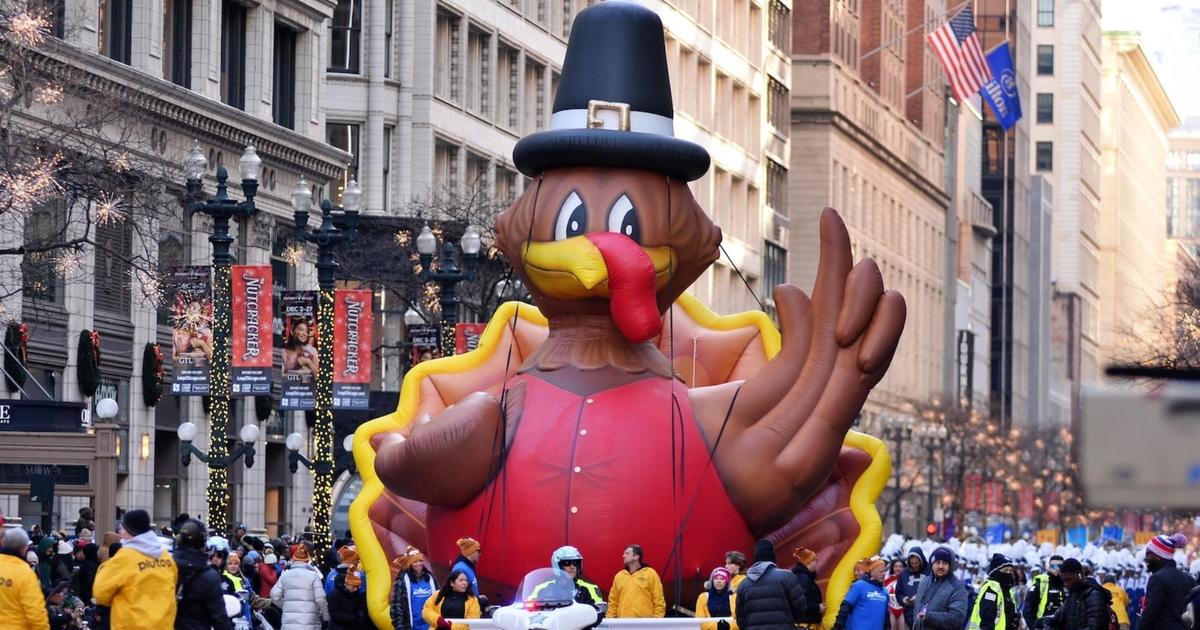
x=1046, y=594
x=569, y=561
x=996, y=604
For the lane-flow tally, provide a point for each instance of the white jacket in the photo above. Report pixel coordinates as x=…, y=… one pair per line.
x=300, y=594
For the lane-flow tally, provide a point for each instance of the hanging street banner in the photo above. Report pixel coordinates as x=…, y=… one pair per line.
x=352, y=321
x=425, y=341
x=299, y=350
x=1001, y=92
x=191, y=318
x=253, y=346
x=466, y=337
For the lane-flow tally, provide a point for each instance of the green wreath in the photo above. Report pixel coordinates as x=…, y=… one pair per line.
x=88, y=362
x=16, y=343
x=152, y=374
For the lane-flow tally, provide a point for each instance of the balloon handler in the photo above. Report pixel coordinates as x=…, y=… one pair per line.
x=620, y=410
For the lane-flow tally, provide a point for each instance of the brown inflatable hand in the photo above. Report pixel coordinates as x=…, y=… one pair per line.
x=787, y=424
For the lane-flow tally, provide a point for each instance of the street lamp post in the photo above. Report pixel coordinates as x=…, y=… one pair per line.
x=448, y=275
x=932, y=436
x=338, y=225
x=899, y=430
x=187, y=432
x=221, y=208
x=294, y=441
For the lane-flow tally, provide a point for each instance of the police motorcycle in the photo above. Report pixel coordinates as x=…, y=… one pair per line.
x=546, y=601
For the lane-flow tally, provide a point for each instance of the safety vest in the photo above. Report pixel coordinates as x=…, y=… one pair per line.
x=1042, y=582
x=990, y=586
x=580, y=585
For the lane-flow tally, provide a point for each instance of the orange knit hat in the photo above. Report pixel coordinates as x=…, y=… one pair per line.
x=467, y=546
x=410, y=557
x=347, y=554
x=804, y=556
x=300, y=552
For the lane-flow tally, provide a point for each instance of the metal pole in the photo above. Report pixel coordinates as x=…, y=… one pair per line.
x=930, y=448
x=900, y=464
x=218, y=372
x=322, y=430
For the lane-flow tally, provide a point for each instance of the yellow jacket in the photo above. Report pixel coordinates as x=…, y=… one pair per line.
x=702, y=611
x=1120, y=602
x=432, y=611
x=637, y=594
x=139, y=589
x=22, y=606
x=737, y=579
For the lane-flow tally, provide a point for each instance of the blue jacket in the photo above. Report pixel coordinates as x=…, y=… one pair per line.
x=340, y=570
x=864, y=608
x=464, y=565
x=909, y=581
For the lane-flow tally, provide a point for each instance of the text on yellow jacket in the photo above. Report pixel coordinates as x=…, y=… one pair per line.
x=22, y=606
x=1120, y=603
x=637, y=594
x=702, y=611
x=433, y=610
x=139, y=589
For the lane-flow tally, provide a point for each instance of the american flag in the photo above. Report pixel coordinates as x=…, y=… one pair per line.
x=957, y=46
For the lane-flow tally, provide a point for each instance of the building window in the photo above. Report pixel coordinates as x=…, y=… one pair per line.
x=1193, y=207
x=779, y=24
x=1045, y=60
x=1045, y=108
x=233, y=54
x=283, y=101
x=445, y=166
x=506, y=185
x=344, y=136
x=776, y=187
x=114, y=249
x=1045, y=156
x=479, y=71
x=116, y=29
x=177, y=42
x=44, y=226
x=1045, y=12
x=774, y=266
x=568, y=15
x=345, y=37
x=388, y=24
x=446, y=56
x=778, y=111
x=477, y=172
x=506, y=85
x=388, y=132
x=535, y=97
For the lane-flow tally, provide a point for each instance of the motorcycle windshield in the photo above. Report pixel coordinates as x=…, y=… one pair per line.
x=546, y=588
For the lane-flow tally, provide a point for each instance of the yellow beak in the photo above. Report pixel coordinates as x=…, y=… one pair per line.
x=574, y=268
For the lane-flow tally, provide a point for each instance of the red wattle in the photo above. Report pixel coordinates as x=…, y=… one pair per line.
x=632, y=298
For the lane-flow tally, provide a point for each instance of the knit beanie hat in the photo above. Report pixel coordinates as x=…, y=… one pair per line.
x=1165, y=546
x=764, y=551
x=300, y=553
x=352, y=579
x=999, y=561
x=942, y=553
x=720, y=572
x=804, y=556
x=1072, y=566
x=347, y=554
x=875, y=562
x=410, y=557
x=136, y=522
x=467, y=546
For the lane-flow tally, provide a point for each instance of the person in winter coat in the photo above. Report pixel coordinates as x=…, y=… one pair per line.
x=806, y=573
x=770, y=598
x=62, y=566
x=268, y=571
x=61, y=618
x=139, y=582
x=414, y=585
x=895, y=608
x=234, y=582
x=1046, y=594
x=735, y=564
x=300, y=594
x=85, y=577
x=941, y=602
x=106, y=542
x=21, y=603
x=201, y=606
x=717, y=600
x=637, y=590
x=1167, y=590
x=86, y=520
x=906, y=588
x=1087, y=604
x=348, y=602
x=454, y=601
x=865, y=605
x=1120, y=601
x=347, y=557
x=995, y=607
x=469, y=552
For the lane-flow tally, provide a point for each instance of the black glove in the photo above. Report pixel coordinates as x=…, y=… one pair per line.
x=722, y=625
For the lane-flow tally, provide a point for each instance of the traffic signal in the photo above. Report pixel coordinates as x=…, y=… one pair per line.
x=931, y=529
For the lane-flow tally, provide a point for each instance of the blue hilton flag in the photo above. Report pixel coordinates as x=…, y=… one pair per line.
x=1001, y=92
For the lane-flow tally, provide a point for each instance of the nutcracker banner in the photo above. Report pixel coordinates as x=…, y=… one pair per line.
x=1045, y=536
x=995, y=497
x=973, y=493
x=191, y=319
x=352, y=321
x=425, y=341
x=466, y=337
x=253, y=345
x=300, y=338
x=1027, y=501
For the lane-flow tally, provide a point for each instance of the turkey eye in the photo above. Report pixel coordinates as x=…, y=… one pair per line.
x=572, y=218
x=623, y=219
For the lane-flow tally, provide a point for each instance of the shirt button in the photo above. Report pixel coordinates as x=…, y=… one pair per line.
x=574, y=510
x=578, y=469
x=583, y=432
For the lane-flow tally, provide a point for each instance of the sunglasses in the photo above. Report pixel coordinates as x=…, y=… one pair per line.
x=570, y=563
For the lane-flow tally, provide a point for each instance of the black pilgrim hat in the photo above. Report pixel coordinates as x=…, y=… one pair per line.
x=613, y=106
